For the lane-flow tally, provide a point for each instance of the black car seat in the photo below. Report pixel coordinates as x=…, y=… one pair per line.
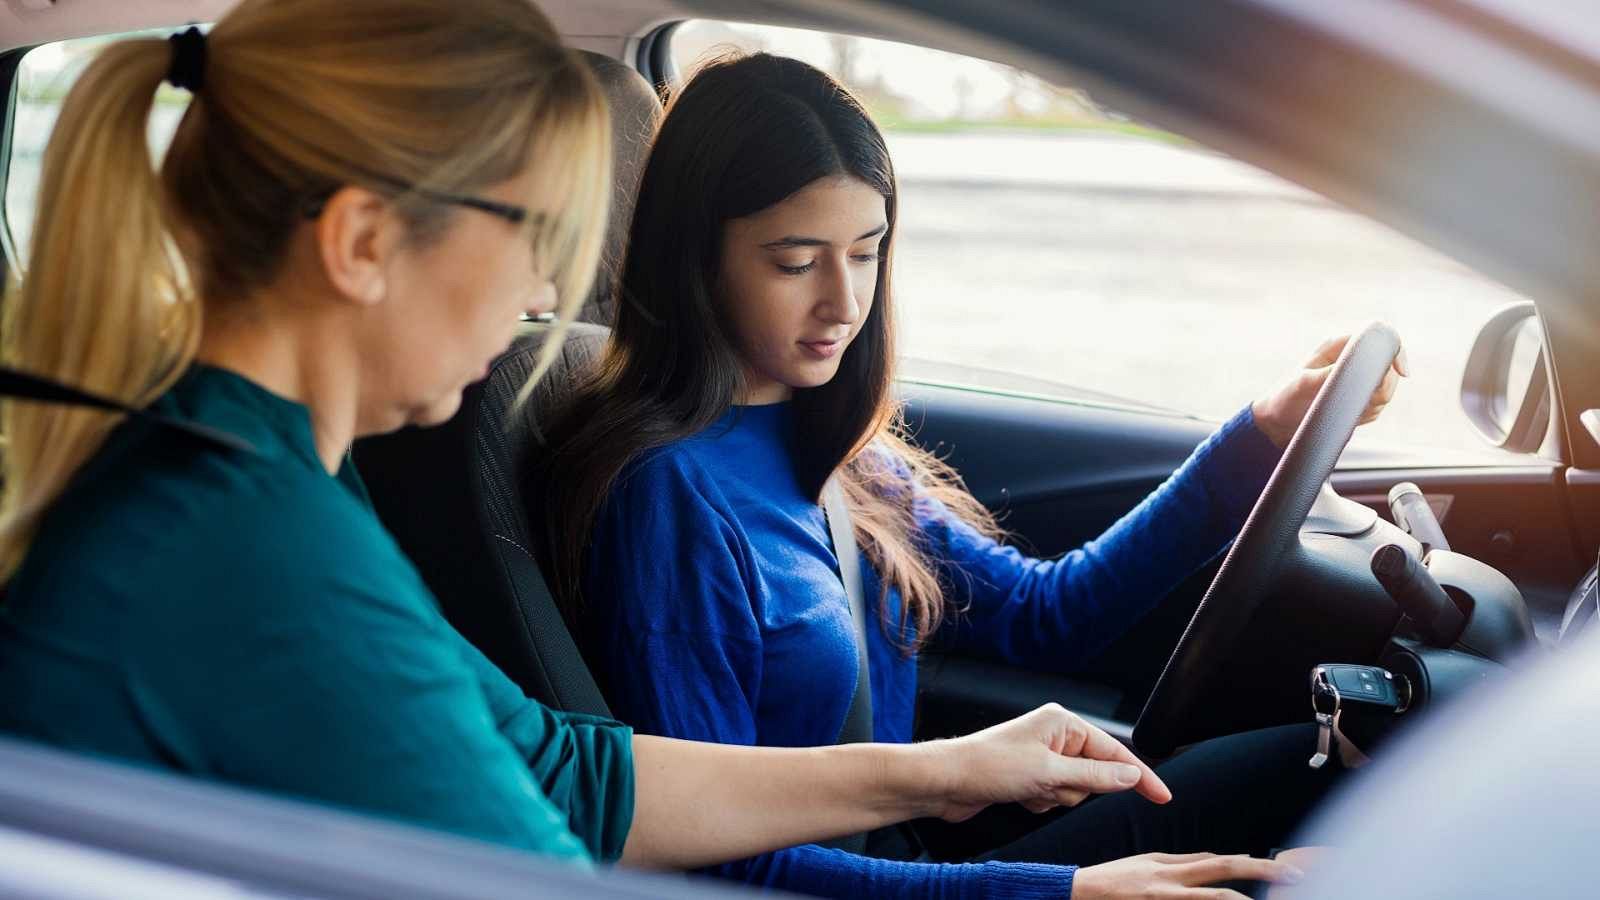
x=451, y=495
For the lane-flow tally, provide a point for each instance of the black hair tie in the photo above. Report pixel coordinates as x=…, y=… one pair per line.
x=188, y=60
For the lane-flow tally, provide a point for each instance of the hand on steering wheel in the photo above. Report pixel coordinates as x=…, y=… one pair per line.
x=1346, y=392
x=1280, y=415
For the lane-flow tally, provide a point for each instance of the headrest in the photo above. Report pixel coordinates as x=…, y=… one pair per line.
x=512, y=369
x=635, y=112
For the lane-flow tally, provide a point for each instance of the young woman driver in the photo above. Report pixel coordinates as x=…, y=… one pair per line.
x=752, y=361
x=361, y=200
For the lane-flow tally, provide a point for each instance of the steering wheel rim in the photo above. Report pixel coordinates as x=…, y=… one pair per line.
x=1271, y=530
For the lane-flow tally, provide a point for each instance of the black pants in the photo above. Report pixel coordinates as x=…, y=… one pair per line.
x=1245, y=793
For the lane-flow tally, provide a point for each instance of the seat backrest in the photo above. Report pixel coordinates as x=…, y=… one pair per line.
x=452, y=496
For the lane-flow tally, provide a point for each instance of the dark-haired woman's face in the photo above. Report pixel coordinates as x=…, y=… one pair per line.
x=798, y=279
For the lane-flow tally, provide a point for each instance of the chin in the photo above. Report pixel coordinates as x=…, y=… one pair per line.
x=812, y=377
x=442, y=411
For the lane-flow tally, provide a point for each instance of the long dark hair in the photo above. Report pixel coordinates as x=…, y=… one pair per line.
x=745, y=133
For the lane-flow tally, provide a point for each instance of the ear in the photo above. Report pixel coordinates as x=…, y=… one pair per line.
x=356, y=234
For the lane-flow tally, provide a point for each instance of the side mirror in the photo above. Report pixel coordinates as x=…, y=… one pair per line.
x=1505, y=390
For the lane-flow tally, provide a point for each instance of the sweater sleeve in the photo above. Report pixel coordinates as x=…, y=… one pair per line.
x=1048, y=614
x=582, y=763
x=673, y=625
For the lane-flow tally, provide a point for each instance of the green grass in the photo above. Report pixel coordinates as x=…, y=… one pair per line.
x=165, y=96
x=956, y=126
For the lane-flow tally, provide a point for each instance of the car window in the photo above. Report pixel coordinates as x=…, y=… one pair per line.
x=45, y=75
x=1048, y=241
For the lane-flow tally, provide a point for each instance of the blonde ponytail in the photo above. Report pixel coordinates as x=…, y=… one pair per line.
x=297, y=98
x=103, y=305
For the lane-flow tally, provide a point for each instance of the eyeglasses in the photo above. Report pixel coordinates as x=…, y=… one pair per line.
x=512, y=213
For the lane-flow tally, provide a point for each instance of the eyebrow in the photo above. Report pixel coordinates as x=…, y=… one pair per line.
x=794, y=240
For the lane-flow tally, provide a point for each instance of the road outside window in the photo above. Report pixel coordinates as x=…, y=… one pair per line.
x=1050, y=246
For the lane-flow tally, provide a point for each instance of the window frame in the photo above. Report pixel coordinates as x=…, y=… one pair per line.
x=113, y=812
x=10, y=65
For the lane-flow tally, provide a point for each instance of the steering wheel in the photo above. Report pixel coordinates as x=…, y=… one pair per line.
x=1272, y=529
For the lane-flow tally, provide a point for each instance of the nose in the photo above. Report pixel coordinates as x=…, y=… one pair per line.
x=839, y=304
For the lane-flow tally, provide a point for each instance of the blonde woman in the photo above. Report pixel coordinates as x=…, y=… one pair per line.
x=361, y=200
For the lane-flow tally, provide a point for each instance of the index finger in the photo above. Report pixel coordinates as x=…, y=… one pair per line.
x=1099, y=745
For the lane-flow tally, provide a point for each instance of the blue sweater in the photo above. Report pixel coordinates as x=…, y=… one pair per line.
x=716, y=613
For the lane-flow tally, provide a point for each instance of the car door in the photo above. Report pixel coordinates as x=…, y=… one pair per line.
x=74, y=827
x=1056, y=474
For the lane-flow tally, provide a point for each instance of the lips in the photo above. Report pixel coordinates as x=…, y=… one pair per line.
x=823, y=349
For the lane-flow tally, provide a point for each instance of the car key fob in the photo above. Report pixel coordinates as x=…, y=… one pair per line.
x=1355, y=704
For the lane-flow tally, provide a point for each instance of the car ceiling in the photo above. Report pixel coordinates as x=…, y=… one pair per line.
x=1440, y=118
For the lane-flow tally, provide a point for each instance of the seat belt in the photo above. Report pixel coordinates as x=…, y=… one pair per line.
x=23, y=386
x=858, y=720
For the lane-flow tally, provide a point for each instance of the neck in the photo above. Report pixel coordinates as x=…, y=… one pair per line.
x=292, y=360
x=761, y=392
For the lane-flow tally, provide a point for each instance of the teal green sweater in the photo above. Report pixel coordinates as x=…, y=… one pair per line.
x=244, y=617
